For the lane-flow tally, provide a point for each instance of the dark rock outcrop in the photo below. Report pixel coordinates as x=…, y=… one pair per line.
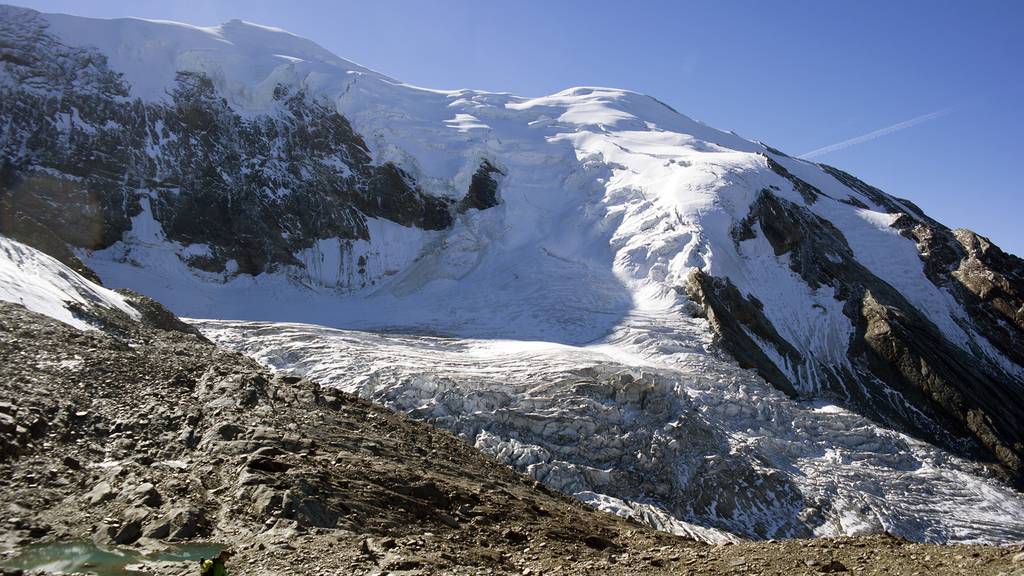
x=986, y=281
x=729, y=314
x=913, y=358
x=992, y=284
x=888, y=203
x=809, y=192
x=155, y=315
x=483, y=189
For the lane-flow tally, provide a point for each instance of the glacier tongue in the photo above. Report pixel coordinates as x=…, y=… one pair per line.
x=680, y=439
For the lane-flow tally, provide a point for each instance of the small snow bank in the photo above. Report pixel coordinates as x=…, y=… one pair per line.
x=42, y=284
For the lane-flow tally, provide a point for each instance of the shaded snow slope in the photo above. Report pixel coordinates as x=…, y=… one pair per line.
x=42, y=284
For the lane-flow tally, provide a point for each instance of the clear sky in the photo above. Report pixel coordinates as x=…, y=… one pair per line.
x=924, y=99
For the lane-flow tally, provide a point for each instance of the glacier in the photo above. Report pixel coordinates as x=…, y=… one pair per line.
x=554, y=330
x=681, y=439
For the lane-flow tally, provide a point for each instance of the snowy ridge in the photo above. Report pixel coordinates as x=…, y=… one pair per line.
x=570, y=347
x=246, y=59
x=44, y=285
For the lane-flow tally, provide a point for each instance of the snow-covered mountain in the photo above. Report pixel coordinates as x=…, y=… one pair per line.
x=662, y=318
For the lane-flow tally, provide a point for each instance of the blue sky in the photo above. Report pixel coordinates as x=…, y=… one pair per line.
x=940, y=83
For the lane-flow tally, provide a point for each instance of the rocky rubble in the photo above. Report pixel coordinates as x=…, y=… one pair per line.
x=144, y=437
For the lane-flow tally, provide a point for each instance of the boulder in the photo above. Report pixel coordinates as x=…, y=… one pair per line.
x=146, y=494
x=100, y=493
x=159, y=530
x=131, y=529
x=187, y=523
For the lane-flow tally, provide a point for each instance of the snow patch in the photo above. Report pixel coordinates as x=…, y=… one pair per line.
x=44, y=285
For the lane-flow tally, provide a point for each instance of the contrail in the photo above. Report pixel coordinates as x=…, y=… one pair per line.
x=877, y=133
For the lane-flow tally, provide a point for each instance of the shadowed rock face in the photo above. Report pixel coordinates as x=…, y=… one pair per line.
x=483, y=189
x=993, y=282
x=77, y=156
x=905, y=353
x=902, y=369
x=891, y=204
x=729, y=313
x=809, y=192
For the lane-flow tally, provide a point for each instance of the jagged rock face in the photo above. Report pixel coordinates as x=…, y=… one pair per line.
x=483, y=189
x=995, y=279
x=944, y=393
x=78, y=156
x=985, y=280
x=729, y=314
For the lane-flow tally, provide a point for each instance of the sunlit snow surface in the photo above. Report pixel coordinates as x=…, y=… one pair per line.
x=44, y=285
x=569, y=349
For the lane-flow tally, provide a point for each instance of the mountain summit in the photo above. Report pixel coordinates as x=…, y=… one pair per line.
x=656, y=316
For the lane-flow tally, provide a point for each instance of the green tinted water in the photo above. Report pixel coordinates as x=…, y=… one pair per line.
x=89, y=558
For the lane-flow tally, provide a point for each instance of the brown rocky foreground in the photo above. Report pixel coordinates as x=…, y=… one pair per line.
x=142, y=436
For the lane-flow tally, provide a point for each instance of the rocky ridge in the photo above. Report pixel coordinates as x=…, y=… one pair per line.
x=899, y=367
